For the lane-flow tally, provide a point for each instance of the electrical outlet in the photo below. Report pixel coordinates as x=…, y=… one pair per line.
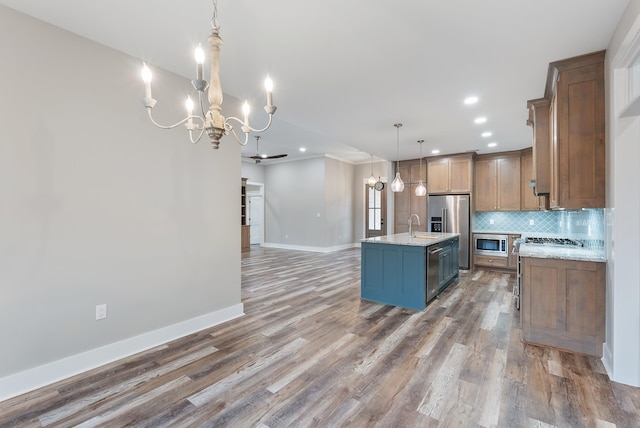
x=531, y=222
x=490, y=221
x=101, y=312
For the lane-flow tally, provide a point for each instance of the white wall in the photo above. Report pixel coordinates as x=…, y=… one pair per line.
x=622, y=347
x=294, y=196
x=252, y=171
x=309, y=204
x=99, y=206
x=339, y=202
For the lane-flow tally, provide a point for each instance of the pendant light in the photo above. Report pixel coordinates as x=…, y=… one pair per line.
x=397, y=185
x=372, y=180
x=421, y=190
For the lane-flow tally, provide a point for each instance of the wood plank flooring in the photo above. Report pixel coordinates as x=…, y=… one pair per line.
x=310, y=353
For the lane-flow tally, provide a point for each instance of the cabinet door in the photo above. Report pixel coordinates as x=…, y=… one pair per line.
x=402, y=209
x=529, y=201
x=563, y=304
x=486, y=173
x=460, y=176
x=580, y=169
x=553, y=153
x=415, y=175
x=438, y=176
x=418, y=206
x=508, y=190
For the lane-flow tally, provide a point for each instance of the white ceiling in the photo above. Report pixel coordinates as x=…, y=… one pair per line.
x=346, y=71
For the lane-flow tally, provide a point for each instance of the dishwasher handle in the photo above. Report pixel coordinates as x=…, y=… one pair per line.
x=436, y=251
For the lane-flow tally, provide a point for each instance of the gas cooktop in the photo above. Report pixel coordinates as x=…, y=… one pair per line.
x=552, y=241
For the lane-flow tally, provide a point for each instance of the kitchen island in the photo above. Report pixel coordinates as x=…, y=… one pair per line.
x=408, y=271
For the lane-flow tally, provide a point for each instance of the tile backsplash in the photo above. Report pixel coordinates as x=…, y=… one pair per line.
x=584, y=224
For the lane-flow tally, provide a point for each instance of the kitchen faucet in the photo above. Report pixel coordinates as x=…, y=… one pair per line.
x=411, y=232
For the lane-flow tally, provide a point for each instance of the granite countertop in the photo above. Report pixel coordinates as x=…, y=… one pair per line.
x=429, y=238
x=563, y=252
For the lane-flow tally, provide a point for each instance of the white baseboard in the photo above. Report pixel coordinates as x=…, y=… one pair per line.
x=308, y=248
x=37, y=377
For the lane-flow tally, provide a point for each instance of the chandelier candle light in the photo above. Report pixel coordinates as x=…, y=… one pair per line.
x=421, y=190
x=397, y=185
x=211, y=120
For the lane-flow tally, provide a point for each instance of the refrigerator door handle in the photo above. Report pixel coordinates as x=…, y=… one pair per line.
x=444, y=219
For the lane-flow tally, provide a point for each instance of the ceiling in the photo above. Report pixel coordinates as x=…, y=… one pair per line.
x=346, y=71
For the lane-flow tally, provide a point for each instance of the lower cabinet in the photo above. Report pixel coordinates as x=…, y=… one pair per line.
x=449, y=261
x=491, y=261
x=563, y=304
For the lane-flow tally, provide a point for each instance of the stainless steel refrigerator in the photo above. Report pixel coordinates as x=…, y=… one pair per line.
x=451, y=214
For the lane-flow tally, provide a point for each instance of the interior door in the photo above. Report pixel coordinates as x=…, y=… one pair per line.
x=375, y=211
x=256, y=214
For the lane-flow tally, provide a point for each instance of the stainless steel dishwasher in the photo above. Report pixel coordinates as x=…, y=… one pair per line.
x=433, y=271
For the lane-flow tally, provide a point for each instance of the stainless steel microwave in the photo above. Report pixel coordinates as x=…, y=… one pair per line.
x=490, y=245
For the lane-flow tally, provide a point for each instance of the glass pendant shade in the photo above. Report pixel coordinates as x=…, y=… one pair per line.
x=397, y=185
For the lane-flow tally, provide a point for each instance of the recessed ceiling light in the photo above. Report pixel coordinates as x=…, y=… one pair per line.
x=487, y=134
x=435, y=151
x=470, y=100
x=302, y=149
x=492, y=144
x=480, y=119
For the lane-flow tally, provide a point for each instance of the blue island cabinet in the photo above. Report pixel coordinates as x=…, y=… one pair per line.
x=407, y=275
x=394, y=275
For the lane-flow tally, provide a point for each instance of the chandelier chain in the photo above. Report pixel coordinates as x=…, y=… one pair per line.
x=215, y=24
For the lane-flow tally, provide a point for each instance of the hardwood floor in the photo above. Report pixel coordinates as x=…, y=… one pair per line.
x=310, y=353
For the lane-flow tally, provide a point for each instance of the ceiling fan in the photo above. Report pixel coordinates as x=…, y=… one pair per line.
x=259, y=157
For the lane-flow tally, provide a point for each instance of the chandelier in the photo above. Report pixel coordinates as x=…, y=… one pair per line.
x=210, y=121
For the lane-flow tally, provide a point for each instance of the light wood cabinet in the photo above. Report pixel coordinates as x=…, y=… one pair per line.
x=406, y=202
x=450, y=174
x=529, y=201
x=563, y=304
x=497, y=184
x=575, y=88
x=539, y=122
x=489, y=261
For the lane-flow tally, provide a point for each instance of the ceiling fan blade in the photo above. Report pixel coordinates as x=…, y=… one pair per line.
x=276, y=156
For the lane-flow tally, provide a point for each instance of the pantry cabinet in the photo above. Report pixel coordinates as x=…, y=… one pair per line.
x=497, y=183
x=406, y=202
x=450, y=174
x=575, y=88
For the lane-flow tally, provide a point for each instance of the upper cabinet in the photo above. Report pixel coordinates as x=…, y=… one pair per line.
x=539, y=122
x=575, y=89
x=529, y=201
x=450, y=174
x=497, y=183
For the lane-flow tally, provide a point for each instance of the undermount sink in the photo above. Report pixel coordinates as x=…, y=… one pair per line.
x=426, y=236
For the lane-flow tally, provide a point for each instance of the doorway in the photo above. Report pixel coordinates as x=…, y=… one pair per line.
x=375, y=211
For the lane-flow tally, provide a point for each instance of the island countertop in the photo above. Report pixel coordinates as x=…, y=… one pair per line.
x=421, y=239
